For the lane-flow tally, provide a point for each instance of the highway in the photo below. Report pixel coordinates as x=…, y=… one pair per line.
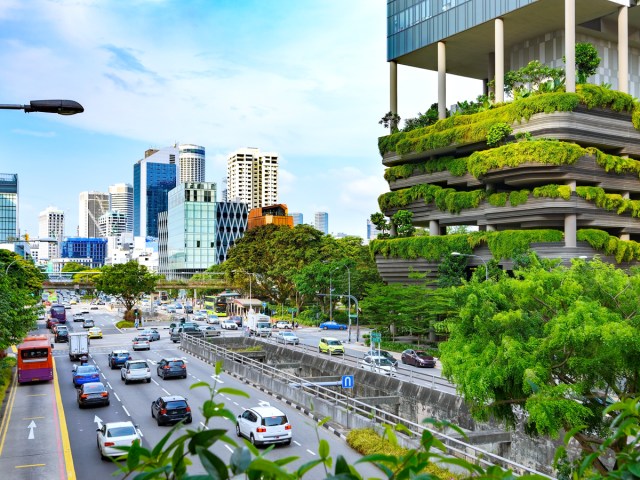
x=133, y=401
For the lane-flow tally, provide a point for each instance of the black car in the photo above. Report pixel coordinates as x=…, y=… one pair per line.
x=171, y=409
x=418, y=358
x=188, y=309
x=172, y=367
x=93, y=393
x=62, y=334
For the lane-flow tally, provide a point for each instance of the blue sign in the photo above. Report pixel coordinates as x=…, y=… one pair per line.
x=347, y=381
x=264, y=304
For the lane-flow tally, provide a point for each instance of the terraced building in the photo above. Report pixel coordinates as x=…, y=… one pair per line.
x=564, y=183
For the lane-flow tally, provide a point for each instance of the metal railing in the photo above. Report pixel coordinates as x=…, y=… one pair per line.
x=454, y=446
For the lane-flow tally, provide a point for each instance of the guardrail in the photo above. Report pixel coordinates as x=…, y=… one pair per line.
x=352, y=406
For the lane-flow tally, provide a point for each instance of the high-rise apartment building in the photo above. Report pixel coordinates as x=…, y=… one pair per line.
x=50, y=227
x=298, y=218
x=8, y=206
x=92, y=206
x=113, y=223
x=121, y=200
x=153, y=177
x=252, y=178
x=191, y=163
x=321, y=222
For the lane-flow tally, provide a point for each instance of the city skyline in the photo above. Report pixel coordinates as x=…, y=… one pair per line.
x=312, y=85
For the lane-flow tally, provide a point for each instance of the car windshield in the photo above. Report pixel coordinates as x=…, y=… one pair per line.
x=121, y=432
x=383, y=362
x=288, y=334
x=333, y=342
x=137, y=365
x=93, y=387
x=177, y=404
x=121, y=354
x=84, y=369
x=422, y=354
x=274, y=421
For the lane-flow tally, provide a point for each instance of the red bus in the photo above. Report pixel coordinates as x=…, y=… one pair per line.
x=35, y=362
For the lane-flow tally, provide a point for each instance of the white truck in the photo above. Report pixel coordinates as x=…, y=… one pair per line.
x=78, y=345
x=259, y=325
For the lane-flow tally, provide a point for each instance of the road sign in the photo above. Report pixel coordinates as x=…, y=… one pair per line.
x=376, y=337
x=347, y=381
x=353, y=315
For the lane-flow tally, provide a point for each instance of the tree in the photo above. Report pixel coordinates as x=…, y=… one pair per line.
x=127, y=282
x=380, y=222
x=402, y=220
x=74, y=267
x=425, y=119
x=554, y=342
x=587, y=61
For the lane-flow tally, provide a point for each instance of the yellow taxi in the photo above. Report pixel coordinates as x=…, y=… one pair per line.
x=95, y=332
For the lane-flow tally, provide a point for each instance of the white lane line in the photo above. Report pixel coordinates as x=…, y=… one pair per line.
x=237, y=404
x=297, y=443
x=155, y=382
x=204, y=426
x=117, y=397
x=228, y=448
x=166, y=391
x=140, y=432
x=127, y=412
x=109, y=385
x=311, y=452
x=103, y=375
x=217, y=378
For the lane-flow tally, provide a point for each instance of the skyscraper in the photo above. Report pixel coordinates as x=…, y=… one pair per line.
x=113, y=223
x=298, y=218
x=252, y=178
x=92, y=206
x=50, y=226
x=121, y=200
x=8, y=206
x=321, y=222
x=191, y=163
x=153, y=177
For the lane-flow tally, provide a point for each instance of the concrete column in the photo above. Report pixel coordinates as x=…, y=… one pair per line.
x=570, y=45
x=623, y=49
x=434, y=228
x=570, y=223
x=442, y=80
x=491, y=72
x=625, y=236
x=393, y=90
x=499, y=59
x=625, y=195
x=491, y=228
x=571, y=184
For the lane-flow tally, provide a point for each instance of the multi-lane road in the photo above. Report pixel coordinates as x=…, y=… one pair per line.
x=46, y=435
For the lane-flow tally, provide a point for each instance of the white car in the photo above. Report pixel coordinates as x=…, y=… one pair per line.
x=135, y=370
x=213, y=319
x=141, y=342
x=264, y=425
x=286, y=337
x=378, y=364
x=116, y=434
x=229, y=325
x=282, y=324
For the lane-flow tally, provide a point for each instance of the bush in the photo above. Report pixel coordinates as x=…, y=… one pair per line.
x=125, y=324
x=6, y=372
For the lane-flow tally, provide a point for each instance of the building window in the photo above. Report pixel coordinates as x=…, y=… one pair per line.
x=197, y=243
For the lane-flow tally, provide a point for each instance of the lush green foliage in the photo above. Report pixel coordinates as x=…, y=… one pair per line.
x=74, y=267
x=6, y=369
x=610, y=201
x=446, y=199
x=553, y=191
x=533, y=79
x=587, y=61
x=461, y=129
x=497, y=134
x=455, y=166
x=125, y=324
x=554, y=342
x=127, y=282
x=622, y=250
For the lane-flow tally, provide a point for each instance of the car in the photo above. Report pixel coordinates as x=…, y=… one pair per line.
x=418, y=358
x=238, y=320
x=171, y=367
x=209, y=331
x=188, y=309
x=171, y=309
x=286, y=338
x=213, y=319
x=378, y=364
x=78, y=317
x=385, y=354
x=264, y=425
x=190, y=329
x=152, y=333
x=99, y=302
x=116, y=434
x=95, y=332
x=135, y=370
x=73, y=302
x=84, y=312
x=60, y=333
x=94, y=307
x=229, y=325
x=67, y=306
x=92, y=393
x=331, y=346
x=85, y=374
x=51, y=321
x=200, y=316
x=117, y=358
x=332, y=326
x=282, y=324
x=171, y=409
x=88, y=323
x=141, y=342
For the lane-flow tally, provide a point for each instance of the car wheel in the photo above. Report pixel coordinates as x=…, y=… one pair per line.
x=159, y=422
x=341, y=328
x=126, y=381
x=319, y=351
x=102, y=457
x=288, y=442
x=79, y=405
x=189, y=420
x=238, y=430
x=107, y=403
x=152, y=414
x=253, y=441
x=325, y=328
x=184, y=376
x=148, y=380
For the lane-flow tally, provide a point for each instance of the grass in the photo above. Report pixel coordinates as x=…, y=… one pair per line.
x=6, y=371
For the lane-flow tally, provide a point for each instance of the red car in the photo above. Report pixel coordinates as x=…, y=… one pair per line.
x=418, y=358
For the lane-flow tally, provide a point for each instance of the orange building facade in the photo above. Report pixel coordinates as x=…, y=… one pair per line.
x=272, y=214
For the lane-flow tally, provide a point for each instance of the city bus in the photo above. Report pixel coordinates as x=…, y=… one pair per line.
x=35, y=362
x=58, y=313
x=218, y=303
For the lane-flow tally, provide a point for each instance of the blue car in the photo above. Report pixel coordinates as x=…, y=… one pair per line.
x=332, y=326
x=84, y=374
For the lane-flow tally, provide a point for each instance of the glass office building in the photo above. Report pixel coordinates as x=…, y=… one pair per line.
x=83, y=248
x=8, y=206
x=231, y=223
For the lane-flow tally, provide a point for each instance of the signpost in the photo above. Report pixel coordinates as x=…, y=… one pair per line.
x=347, y=381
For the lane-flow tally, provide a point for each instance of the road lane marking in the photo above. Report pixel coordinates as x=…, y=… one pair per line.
x=31, y=426
x=64, y=433
x=37, y=395
x=311, y=452
x=4, y=426
x=109, y=385
x=126, y=411
x=117, y=397
x=228, y=448
x=103, y=375
x=204, y=426
x=237, y=404
x=32, y=418
x=32, y=465
x=166, y=391
x=299, y=444
x=153, y=380
x=140, y=432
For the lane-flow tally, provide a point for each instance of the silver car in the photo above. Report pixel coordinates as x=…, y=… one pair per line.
x=286, y=337
x=141, y=342
x=135, y=370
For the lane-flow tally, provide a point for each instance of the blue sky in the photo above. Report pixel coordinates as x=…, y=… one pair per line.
x=306, y=79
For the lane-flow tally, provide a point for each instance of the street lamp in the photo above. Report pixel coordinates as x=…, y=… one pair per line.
x=61, y=107
x=330, y=294
x=486, y=268
x=349, y=310
x=250, y=278
x=6, y=272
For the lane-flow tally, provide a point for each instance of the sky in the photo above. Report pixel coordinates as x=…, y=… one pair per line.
x=307, y=79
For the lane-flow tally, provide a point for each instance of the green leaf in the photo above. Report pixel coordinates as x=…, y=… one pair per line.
x=199, y=384
x=240, y=460
x=233, y=391
x=133, y=456
x=205, y=438
x=323, y=449
x=215, y=467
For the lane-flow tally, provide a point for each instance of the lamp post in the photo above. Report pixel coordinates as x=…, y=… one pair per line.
x=486, y=268
x=6, y=272
x=331, y=294
x=349, y=294
x=61, y=107
x=250, y=278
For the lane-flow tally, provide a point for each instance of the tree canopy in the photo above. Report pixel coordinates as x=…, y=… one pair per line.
x=559, y=343
x=74, y=267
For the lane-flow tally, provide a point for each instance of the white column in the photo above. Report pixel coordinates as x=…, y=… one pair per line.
x=499, y=60
x=393, y=90
x=434, y=228
x=570, y=221
x=623, y=49
x=442, y=80
x=570, y=45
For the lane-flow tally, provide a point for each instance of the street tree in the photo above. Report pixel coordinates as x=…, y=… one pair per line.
x=127, y=282
x=556, y=343
x=74, y=267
